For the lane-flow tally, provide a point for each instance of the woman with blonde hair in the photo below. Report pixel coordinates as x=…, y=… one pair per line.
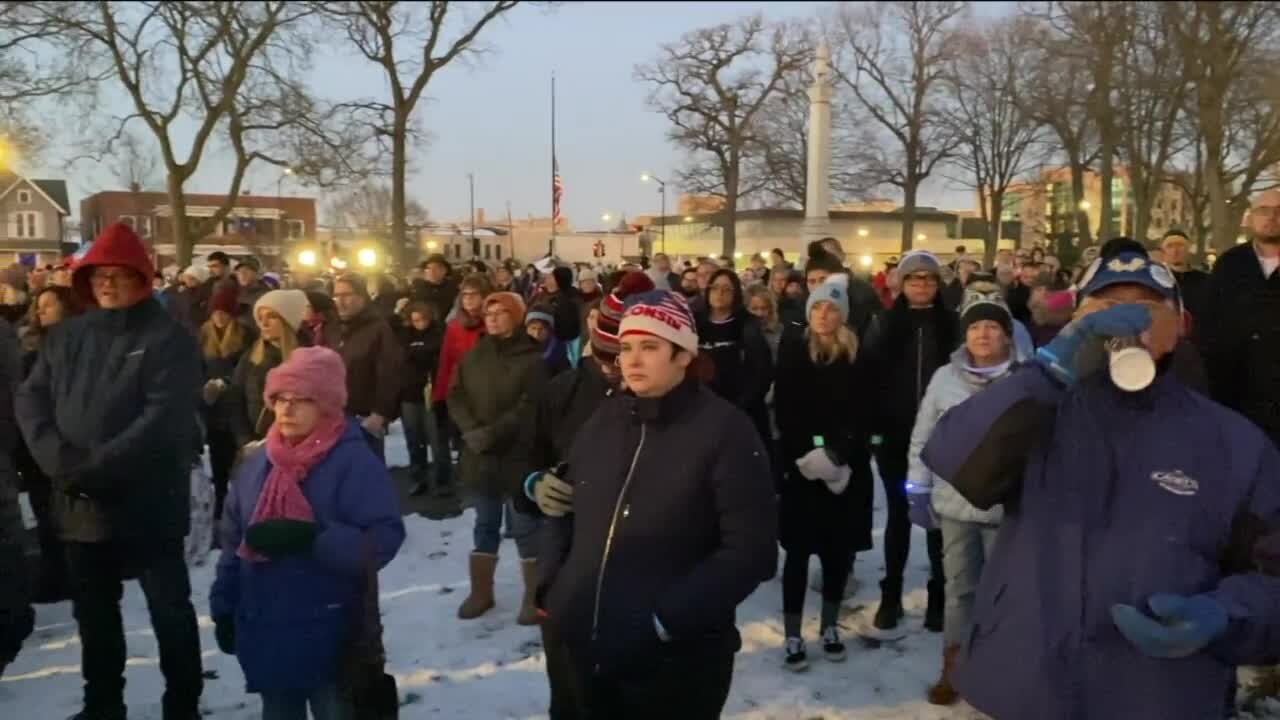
x=278, y=315
x=764, y=306
x=223, y=341
x=821, y=398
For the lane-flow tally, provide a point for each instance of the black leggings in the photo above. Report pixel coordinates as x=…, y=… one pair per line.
x=795, y=578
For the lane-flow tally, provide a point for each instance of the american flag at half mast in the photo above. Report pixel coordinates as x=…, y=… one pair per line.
x=557, y=191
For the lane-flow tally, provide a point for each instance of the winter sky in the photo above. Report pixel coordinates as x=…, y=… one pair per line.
x=492, y=118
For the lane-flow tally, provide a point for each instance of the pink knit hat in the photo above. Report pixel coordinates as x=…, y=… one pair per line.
x=316, y=373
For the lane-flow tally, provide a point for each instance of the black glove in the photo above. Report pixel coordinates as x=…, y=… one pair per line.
x=281, y=538
x=224, y=630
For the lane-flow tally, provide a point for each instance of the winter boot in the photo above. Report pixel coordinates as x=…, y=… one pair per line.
x=797, y=659
x=480, y=599
x=934, y=612
x=890, y=611
x=942, y=693
x=528, y=606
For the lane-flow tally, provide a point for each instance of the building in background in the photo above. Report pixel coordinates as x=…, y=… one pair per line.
x=34, y=214
x=260, y=225
x=1046, y=208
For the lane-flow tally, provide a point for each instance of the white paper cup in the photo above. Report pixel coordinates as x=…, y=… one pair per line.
x=1131, y=366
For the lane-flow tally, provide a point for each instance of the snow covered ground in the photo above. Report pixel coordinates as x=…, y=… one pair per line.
x=491, y=668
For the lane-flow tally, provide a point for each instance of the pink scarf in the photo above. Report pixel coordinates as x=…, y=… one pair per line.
x=282, y=496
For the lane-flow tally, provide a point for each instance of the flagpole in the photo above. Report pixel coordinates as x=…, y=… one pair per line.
x=551, y=249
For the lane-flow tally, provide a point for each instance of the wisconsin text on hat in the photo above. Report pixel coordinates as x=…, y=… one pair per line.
x=672, y=319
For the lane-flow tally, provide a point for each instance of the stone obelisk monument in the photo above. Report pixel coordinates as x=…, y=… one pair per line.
x=817, y=223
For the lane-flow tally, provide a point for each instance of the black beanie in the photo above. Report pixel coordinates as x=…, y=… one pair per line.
x=563, y=276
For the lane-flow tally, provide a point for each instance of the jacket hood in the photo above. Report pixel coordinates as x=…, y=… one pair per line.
x=117, y=245
x=961, y=365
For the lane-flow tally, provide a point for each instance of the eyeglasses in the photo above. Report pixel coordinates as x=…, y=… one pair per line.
x=104, y=276
x=280, y=402
x=721, y=288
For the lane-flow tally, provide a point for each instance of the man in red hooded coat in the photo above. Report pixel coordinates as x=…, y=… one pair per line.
x=109, y=413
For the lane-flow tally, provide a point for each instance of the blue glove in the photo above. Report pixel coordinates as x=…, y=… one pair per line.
x=1182, y=626
x=1060, y=355
x=920, y=505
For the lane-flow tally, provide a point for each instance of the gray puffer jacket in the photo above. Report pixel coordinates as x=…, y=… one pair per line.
x=951, y=385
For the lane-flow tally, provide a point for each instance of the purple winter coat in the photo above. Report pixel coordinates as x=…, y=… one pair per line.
x=1110, y=498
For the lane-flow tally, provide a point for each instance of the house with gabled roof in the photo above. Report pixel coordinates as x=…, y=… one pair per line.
x=32, y=218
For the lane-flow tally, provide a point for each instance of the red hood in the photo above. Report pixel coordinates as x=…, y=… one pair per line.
x=118, y=245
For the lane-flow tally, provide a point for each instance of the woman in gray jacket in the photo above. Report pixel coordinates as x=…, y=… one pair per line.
x=968, y=534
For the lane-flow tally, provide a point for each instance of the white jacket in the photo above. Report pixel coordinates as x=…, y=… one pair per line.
x=951, y=385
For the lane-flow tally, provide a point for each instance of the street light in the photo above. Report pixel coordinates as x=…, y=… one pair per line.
x=307, y=258
x=279, y=213
x=922, y=237
x=431, y=244
x=688, y=218
x=368, y=257
x=1085, y=205
x=662, y=190
x=606, y=217
x=863, y=232
x=865, y=261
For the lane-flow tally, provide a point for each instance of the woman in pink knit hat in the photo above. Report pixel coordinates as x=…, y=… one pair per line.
x=307, y=522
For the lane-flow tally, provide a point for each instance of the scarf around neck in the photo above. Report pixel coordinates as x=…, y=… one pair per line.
x=282, y=496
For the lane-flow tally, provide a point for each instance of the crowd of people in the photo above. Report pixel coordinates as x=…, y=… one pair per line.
x=649, y=436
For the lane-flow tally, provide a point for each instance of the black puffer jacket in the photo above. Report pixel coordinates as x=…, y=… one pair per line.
x=422, y=356
x=567, y=403
x=831, y=401
x=247, y=414
x=16, y=615
x=905, y=348
x=109, y=413
x=674, y=518
x=1239, y=334
x=439, y=296
x=491, y=402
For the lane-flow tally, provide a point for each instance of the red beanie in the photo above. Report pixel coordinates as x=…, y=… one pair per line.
x=604, y=338
x=226, y=299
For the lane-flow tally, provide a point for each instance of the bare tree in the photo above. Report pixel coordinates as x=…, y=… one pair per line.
x=712, y=86
x=33, y=74
x=229, y=72
x=996, y=136
x=783, y=133
x=410, y=42
x=1054, y=95
x=370, y=208
x=896, y=58
x=1226, y=54
x=1090, y=35
x=1150, y=97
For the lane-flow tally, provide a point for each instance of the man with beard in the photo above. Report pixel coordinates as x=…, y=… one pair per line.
x=1193, y=283
x=1240, y=327
x=689, y=284
x=566, y=405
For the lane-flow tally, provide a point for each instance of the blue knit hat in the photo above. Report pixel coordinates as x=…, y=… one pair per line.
x=540, y=316
x=834, y=292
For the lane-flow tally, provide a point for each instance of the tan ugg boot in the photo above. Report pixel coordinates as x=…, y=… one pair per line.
x=942, y=693
x=480, y=600
x=528, y=606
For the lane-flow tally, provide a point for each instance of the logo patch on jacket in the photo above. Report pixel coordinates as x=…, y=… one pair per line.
x=1176, y=482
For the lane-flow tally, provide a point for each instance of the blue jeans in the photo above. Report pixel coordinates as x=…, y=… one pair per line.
x=965, y=549
x=327, y=703
x=490, y=514
x=419, y=432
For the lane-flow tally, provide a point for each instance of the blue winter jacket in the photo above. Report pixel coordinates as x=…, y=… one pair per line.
x=1110, y=497
x=295, y=616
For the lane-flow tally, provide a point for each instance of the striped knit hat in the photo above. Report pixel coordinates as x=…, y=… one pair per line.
x=604, y=336
x=663, y=314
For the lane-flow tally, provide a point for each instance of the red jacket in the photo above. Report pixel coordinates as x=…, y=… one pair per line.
x=458, y=341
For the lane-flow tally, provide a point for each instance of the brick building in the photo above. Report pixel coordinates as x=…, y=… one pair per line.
x=260, y=225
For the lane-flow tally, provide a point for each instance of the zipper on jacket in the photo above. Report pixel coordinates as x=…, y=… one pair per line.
x=608, y=540
x=919, y=365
